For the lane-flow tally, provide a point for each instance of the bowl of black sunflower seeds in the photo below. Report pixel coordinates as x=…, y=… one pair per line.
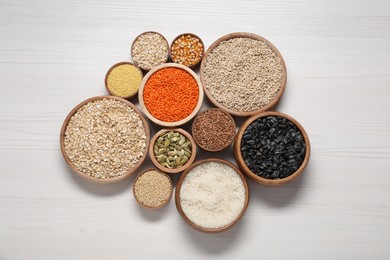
x=272, y=148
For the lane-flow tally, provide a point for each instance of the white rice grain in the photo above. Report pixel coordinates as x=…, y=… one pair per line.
x=212, y=195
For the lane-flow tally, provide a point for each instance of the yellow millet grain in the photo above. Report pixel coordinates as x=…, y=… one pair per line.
x=153, y=189
x=124, y=80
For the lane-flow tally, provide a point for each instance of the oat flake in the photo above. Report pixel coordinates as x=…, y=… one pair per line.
x=105, y=138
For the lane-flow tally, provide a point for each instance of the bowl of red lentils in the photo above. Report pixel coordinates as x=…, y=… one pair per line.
x=170, y=94
x=187, y=49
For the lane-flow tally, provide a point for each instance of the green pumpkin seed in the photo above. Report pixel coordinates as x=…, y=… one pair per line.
x=171, y=153
x=184, y=160
x=172, y=150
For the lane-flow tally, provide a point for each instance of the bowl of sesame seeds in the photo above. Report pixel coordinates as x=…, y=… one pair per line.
x=149, y=49
x=243, y=73
x=187, y=49
x=104, y=139
x=272, y=148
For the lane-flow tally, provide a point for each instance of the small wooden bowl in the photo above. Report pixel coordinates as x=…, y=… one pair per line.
x=161, y=205
x=245, y=168
x=197, y=141
x=180, y=209
x=109, y=180
x=174, y=170
x=184, y=34
x=255, y=37
x=113, y=67
x=136, y=39
x=141, y=95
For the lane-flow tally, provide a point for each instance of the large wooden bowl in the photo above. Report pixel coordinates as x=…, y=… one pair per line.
x=108, y=180
x=255, y=37
x=141, y=95
x=178, y=202
x=173, y=170
x=241, y=163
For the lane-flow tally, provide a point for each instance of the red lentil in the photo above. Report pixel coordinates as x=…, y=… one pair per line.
x=171, y=94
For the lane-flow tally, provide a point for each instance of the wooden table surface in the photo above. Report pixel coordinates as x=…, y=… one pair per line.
x=54, y=54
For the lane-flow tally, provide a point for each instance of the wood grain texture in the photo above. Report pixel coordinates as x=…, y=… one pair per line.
x=55, y=54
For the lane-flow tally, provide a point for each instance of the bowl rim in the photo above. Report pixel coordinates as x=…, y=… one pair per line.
x=112, y=68
x=141, y=95
x=193, y=35
x=174, y=170
x=193, y=129
x=241, y=163
x=135, y=40
x=165, y=202
x=109, y=180
x=178, y=202
x=251, y=36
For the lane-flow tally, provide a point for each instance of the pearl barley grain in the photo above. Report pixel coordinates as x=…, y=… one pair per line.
x=212, y=195
x=152, y=189
x=243, y=74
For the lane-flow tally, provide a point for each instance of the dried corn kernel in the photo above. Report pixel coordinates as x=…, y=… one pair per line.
x=187, y=50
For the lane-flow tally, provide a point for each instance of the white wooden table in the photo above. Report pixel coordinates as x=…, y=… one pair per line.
x=54, y=54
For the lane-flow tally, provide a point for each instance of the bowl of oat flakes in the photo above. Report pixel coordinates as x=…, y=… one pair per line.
x=243, y=74
x=104, y=139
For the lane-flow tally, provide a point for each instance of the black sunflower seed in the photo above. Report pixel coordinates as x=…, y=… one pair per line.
x=273, y=147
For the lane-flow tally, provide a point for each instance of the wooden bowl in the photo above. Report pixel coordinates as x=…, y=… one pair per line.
x=255, y=37
x=197, y=141
x=141, y=95
x=161, y=205
x=184, y=34
x=178, y=202
x=245, y=168
x=113, y=67
x=136, y=39
x=109, y=180
x=174, y=170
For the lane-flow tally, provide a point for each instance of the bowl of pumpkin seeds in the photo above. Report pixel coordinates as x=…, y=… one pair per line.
x=172, y=150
